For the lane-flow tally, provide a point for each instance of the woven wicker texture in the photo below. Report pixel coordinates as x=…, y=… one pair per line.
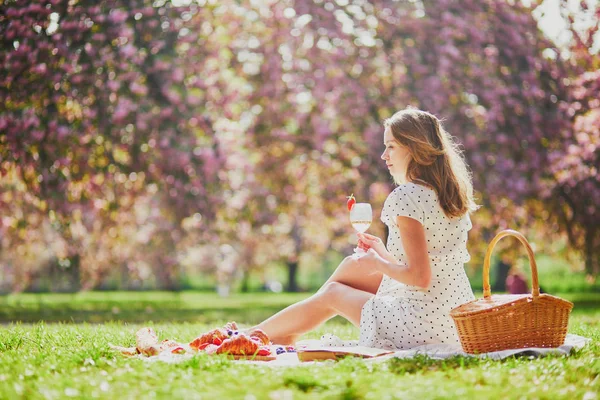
x=501, y=322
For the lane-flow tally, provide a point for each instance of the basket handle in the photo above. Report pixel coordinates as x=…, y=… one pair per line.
x=535, y=287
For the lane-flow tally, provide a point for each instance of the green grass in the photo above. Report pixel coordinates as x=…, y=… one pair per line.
x=200, y=307
x=63, y=360
x=99, y=307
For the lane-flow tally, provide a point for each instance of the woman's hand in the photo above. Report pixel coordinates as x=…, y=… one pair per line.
x=366, y=242
x=370, y=260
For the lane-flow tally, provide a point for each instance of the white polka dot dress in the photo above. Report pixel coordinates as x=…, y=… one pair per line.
x=402, y=316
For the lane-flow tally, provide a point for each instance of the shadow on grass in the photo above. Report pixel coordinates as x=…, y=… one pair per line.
x=137, y=315
x=198, y=307
x=95, y=307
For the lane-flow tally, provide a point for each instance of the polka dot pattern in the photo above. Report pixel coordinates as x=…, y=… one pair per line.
x=402, y=316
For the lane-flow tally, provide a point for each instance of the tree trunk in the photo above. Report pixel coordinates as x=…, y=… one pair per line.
x=245, y=281
x=592, y=266
x=75, y=273
x=293, y=262
x=292, y=276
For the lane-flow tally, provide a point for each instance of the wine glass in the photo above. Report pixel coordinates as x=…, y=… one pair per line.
x=361, y=216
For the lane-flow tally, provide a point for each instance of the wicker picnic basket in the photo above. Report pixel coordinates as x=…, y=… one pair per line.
x=500, y=322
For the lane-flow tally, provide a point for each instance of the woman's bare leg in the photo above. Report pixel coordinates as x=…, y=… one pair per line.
x=350, y=273
x=332, y=299
x=344, y=293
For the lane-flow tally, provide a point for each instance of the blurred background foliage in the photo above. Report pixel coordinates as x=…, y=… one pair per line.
x=211, y=144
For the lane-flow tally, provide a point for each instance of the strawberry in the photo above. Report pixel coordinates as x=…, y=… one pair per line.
x=351, y=202
x=264, y=352
x=203, y=346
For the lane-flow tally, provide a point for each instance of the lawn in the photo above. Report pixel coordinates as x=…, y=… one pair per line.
x=62, y=360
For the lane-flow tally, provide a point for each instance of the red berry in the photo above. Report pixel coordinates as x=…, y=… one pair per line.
x=351, y=201
x=203, y=346
x=264, y=352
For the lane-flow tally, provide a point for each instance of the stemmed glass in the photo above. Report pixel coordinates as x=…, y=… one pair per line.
x=361, y=217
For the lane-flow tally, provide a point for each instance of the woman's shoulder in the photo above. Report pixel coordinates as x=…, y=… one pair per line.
x=412, y=189
x=408, y=199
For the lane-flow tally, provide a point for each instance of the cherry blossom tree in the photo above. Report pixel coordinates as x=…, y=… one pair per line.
x=138, y=134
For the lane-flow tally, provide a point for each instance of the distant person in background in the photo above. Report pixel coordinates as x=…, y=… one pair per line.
x=502, y=268
x=516, y=283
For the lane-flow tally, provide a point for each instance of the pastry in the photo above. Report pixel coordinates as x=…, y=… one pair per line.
x=239, y=345
x=146, y=342
x=216, y=335
x=260, y=335
x=231, y=326
x=226, y=340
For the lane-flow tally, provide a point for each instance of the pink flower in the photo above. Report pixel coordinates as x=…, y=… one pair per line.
x=113, y=85
x=138, y=89
x=41, y=68
x=118, y=16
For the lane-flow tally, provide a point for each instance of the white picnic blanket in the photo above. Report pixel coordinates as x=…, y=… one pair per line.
x=438, y=351
x=445, y=351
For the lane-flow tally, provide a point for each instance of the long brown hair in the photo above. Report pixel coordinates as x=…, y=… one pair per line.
x=436, y=160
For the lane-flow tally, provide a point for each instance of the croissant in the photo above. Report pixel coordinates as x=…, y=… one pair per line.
x=208, y=337
x=238, y=345
x=259, y=335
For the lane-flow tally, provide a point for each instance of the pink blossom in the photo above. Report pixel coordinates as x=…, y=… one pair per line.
x=118, y=16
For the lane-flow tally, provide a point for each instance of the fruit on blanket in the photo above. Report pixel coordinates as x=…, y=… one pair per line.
x=263, y=352
x=203, y=346
x=351, y=202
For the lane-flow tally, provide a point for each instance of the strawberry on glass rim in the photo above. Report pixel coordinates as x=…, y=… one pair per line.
x=351, y=201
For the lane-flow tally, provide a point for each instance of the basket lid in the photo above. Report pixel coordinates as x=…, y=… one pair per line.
x=486, y=304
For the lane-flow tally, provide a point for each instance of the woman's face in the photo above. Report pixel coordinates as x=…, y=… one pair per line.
x=396, y=156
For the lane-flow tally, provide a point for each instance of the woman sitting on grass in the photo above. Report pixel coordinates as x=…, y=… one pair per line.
x=400, y=295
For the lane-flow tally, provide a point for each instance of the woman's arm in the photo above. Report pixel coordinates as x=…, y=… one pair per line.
x=417, y=272
x=367, y=241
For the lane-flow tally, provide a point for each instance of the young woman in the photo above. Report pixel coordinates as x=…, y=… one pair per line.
x=400, y=295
